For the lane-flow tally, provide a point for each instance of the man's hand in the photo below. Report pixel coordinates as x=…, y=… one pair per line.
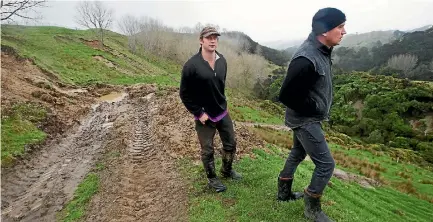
x=203, y=118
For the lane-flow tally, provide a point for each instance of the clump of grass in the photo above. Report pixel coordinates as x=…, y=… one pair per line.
x=424, y=181
x=425, y=197
x=406, y=187
x=404, y=175
x=378, y=167
x=370, y=173
x=399, y=212
x=75, y=209
x=19, y=129
x=364, y=167
x=280, y=138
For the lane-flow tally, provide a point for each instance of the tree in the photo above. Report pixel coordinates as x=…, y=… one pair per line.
x=258, y=50
x=404, y=62
x=95, y=15
x=130, y=26
x=186, y=29
x=198, y=27
x=19, y=8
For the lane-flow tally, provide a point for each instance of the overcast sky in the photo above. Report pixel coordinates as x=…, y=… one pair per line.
x=264, y=20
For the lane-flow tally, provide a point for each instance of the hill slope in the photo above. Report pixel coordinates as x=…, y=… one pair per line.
x=370, y=39
x=275, y=56
x=79, y=59
x=417, y=44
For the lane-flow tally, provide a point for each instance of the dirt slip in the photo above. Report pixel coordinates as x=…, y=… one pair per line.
x=36, y=189
x=264, y=125
x=361, y=180
x=176, y=128
x=22, y=81
x=143, y=184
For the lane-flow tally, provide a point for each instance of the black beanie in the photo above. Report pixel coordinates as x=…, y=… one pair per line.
x=326, y=19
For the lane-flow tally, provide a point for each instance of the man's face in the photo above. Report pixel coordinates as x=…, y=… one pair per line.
x=209, y=43
x=334, y=36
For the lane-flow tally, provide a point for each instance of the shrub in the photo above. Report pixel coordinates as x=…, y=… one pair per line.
x=375, y=137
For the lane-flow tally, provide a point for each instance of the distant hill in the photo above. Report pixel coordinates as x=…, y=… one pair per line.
x=283, y=44
x=291, y=50
x=375, y=59
x=420, y=28
x=277, y=57
x=369, y=39
x=358, y=40
x=419, y=43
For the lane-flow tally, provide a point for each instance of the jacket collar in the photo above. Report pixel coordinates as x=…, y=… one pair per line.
x=317, y=44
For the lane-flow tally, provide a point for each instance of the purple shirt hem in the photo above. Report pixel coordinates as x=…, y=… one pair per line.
x=214, y=119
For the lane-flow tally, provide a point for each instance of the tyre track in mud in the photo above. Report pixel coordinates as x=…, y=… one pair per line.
x=38, y=187
x=144, y=184
x=139, y=151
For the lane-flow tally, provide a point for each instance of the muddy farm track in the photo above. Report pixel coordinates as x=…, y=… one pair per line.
x=37, y=188
x=142, y=186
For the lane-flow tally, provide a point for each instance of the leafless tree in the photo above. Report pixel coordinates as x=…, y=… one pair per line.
x=130, y=26
x=185, y=29
x=19, y=8
x=95, y=15
x=258, y=50
x=404, y=62
x=198, y=27
x=244, y=69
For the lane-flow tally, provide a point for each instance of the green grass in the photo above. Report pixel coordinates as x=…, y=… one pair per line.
x=246, y=109
x=75, y=209
x=254, y=198
x=279, y=138
x=18, y=129
x=248, y=114
x=415, y=173
x=64, y=52
x=405, y=177
x=16, y=133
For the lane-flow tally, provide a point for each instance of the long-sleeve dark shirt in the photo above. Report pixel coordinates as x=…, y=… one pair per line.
x=202, y=88
x=300, y=79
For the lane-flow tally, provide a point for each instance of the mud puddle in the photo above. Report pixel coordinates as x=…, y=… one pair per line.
x=113, y=97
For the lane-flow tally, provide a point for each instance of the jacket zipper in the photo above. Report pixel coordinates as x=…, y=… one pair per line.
x=214, y=69
x=215, y=65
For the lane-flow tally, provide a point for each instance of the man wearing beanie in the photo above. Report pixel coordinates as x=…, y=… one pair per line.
x=307, y=94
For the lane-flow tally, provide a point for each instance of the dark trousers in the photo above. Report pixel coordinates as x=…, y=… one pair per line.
x=206, y=133
x=309, y=139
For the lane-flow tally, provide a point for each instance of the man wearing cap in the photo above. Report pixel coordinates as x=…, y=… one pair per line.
x=307, y=94
x=202, y=92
